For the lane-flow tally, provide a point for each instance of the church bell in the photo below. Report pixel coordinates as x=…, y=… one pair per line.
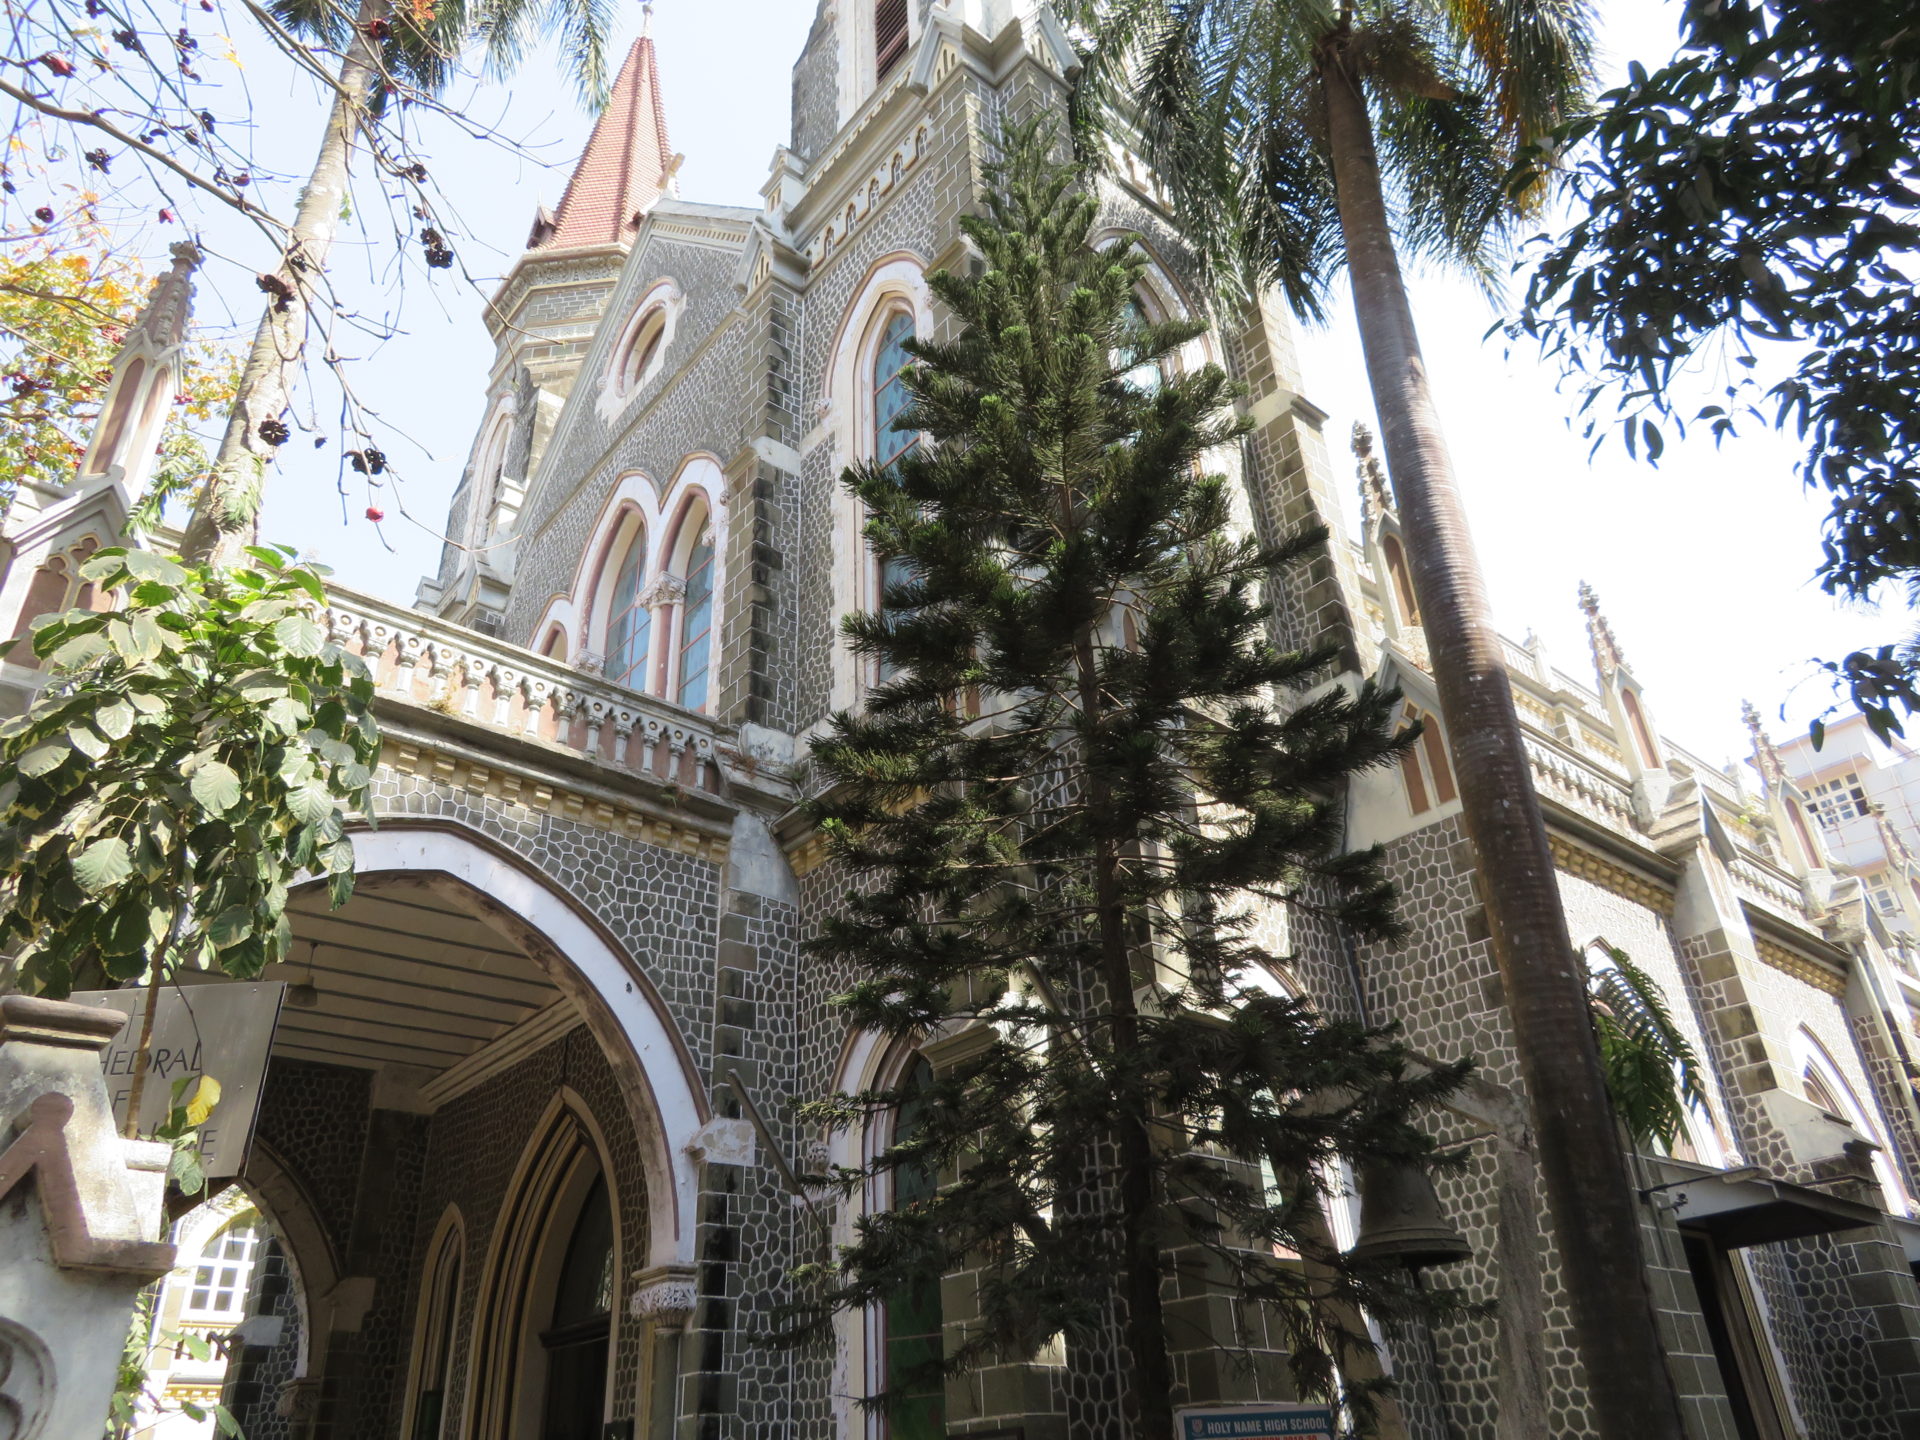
x=1401, y=1221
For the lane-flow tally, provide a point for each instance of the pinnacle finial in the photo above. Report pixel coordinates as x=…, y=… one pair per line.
x=1607, y=655
x=646, y=22
x=1764, y=755
x=1375, y=498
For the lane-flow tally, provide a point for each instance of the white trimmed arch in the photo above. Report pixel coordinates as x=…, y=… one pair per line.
x=1811, y=1058
x=622, y=1008
x=897, y=284
x=639, y=353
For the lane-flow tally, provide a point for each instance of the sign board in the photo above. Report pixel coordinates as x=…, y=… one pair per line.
x=1256, y=1422
x=222, y=1030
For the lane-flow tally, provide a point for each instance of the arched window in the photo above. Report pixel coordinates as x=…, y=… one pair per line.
x=1798, y=820
x=890, y=396
x=912, y=1323
x=487, y=474
x=890, y=400
x=889, y=36
x=1401, y=577
x=1425, y=768
x=1817, y=1092
x=556, y=646
x=439, y=1307
x=629, y=621
x=641, y=350
x=1637, y=723
x=576, y=1336
x=696, y=625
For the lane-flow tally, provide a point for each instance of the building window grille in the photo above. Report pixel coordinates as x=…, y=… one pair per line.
x=889, y=36
x=221, y=1280
x=1839, y=800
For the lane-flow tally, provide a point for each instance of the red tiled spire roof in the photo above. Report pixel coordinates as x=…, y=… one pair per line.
x=626, y=167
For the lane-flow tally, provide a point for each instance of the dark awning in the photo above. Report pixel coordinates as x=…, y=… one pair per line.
x=1736, y=1208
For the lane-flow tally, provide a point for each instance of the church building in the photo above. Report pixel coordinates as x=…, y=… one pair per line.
x=524, y=1161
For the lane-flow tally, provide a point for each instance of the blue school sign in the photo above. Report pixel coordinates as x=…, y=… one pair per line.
x=1257, y=1422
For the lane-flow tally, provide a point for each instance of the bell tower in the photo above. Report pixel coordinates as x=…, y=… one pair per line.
x=542, y=319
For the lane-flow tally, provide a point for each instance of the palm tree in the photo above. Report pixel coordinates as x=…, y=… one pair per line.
x=386, y=50
x=1281, y=127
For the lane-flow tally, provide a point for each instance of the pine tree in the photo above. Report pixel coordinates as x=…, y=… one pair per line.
x=1084, y=776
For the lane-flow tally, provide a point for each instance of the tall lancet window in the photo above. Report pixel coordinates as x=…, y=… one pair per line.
x=696, y=628
x=891, y=399
x=889, y=36
x=629, y=621
x=914, y=1325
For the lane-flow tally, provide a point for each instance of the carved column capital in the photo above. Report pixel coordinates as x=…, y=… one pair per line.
x=664, y=1294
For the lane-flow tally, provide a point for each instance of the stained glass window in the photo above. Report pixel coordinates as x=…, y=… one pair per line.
x=629, y=622
x=696, y=627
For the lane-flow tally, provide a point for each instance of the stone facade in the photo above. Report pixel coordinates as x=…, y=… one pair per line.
x=639, y=874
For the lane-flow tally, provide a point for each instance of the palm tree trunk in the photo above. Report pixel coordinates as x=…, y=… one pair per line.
x=226, y=515
x=1592, y=1202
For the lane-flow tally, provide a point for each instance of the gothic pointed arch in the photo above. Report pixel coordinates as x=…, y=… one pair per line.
x=546, y=1316
x=689, y=575
x=629, y=1019
x=893, y=293
x=436, y=1329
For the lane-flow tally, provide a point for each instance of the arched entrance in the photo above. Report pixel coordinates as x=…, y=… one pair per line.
x=462, y=1038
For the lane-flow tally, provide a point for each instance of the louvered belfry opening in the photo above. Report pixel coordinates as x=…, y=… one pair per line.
x=889, y=36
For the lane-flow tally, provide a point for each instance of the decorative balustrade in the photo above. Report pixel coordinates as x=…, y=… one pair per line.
x=1578, y=785
x=445, y=668
x=1774, y=889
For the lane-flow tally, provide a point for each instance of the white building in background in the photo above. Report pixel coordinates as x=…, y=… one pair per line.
x=1865, y=796
x=206, y=1299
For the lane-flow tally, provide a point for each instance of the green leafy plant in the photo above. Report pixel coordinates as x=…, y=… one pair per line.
x=196, y=749
x=1653, y=1074
x=1757, y=200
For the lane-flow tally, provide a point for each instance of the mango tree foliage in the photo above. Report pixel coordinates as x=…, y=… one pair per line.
x=1755, y=206
x=195, y=751
x=63, y=317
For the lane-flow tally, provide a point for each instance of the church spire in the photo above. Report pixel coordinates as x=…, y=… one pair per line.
x=627, y=165
x=1607, y=655
x=1765, y=758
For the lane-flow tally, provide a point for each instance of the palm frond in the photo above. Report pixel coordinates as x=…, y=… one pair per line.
x=1653, y=1072
x=584, y=29
x=1534, y=59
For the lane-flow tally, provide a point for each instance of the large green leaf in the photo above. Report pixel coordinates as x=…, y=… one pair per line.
x=298, y=635
x=83, y=739
x=230, y=927
x=103, y=865
x=43, y=759
x=114, y=719
x=310, y=804
x=215, y=786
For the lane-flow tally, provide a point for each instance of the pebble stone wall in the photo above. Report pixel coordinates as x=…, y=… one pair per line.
x=660, y=905
x=743, y=382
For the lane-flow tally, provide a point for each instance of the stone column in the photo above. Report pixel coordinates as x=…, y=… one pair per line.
x=76, y=1253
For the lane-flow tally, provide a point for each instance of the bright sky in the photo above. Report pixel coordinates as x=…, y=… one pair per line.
x=1701, y=565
